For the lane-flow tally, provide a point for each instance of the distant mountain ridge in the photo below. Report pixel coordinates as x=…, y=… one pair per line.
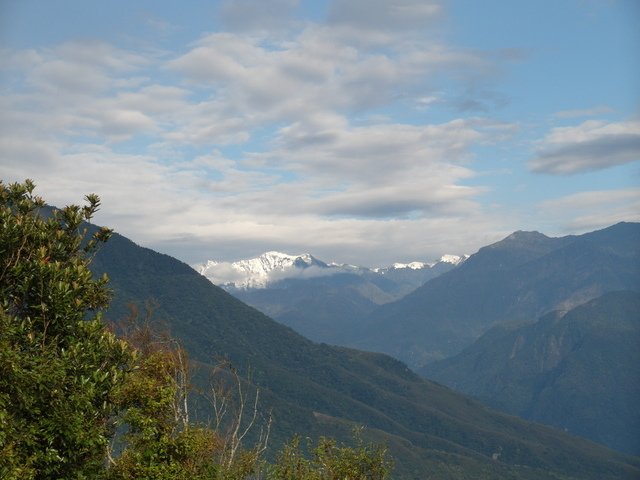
x=325, y=302
x=272, y=266
x=519, y=278
x=260, y=271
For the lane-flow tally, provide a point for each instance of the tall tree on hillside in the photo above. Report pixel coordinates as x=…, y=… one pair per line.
x=58, y=364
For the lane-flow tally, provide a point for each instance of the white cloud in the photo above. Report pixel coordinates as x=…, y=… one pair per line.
x=592, y=145
x=157, y=100
x=585, y=211
x=314, y=71
x=342, y=186
x=379, y=23
x=383, y=14
x=257, y=15
x=77, y=68
x=240, y=143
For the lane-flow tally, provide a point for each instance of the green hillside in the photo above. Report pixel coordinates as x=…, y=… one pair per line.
x=578, y=371
x=318, y=389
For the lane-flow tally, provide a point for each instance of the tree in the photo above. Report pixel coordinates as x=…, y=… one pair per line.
x=236, y=414
x=330, y=461
x=159, y=442
x=59, y=365
x=67, y=381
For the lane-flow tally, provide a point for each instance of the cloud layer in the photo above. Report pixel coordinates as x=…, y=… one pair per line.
x=592, y=145
x=360, y=135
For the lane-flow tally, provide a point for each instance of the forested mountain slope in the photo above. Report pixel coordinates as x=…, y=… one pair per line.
x=316, y=389
x=519, y=278
x=577, y=371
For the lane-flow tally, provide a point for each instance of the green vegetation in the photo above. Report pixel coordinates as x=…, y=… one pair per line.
x=77, y=402
x=58, y=368
x=577, y=370
x=331, y=461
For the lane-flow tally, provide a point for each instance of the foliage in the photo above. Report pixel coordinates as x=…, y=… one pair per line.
x=159, y=442
x=58, y=365
x=65, y=379
x=331, y=461
x=236, y=414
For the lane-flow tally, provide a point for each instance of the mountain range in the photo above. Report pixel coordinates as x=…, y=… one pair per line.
x=272, y=267
x=325, y=302
x=514, y=281
x=520, y=278
x=316, y=389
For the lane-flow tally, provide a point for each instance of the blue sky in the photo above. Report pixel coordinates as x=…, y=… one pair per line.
x=362, y=131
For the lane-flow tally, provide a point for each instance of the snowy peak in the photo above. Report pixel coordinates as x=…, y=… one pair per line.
x=412, y=265
x=260, y=271
x=453, y=259
x=270, y=261
x=273, y=266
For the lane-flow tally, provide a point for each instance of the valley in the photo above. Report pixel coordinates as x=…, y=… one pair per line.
x=317, y=389
x=509, y=325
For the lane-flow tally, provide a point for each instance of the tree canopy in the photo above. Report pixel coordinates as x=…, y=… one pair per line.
x=59, y=365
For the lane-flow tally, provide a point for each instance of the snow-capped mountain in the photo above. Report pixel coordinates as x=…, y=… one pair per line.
x=272, y=266
x=260, y=271
x=412, y=265
x=454, y=260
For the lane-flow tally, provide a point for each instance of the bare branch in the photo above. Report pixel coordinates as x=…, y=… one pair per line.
x=241, y=420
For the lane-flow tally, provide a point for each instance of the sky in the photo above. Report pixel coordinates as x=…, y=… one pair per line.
x=361, y=131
